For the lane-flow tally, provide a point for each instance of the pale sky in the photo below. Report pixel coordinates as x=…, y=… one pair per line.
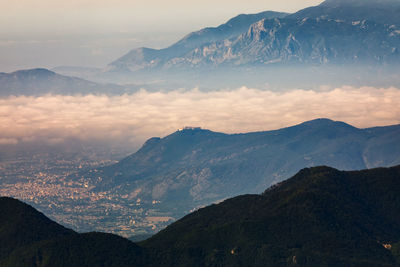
x=48, y=33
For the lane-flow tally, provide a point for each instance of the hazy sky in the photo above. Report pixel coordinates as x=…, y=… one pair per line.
x=48, y=33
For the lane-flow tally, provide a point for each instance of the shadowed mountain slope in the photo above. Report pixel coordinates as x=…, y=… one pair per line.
x=88, y=249
x=28, y=238
x=20, y=225
x=195, y=167
x=320, y=217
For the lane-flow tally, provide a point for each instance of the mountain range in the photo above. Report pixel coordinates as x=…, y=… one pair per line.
x=336, y=43
x=194, y=167
x=143, y=57
x=335, y=32
x=34, y=82
x=319, y=217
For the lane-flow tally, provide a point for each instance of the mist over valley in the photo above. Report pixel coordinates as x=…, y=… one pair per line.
x=202, y=148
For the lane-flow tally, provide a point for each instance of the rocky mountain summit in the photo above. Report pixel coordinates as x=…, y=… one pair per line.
x=335, y=32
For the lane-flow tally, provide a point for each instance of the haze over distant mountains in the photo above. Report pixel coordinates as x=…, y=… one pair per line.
x=143, y=58
x=194, y=167
x=36, y=82
x=336, y=32
x=319, y=217
x=337, y=43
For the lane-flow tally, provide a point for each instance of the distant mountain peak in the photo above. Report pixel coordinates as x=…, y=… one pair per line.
x=271, y=38
x=147, y=58
x=190, y=128
x=41, y=81
x=193, y=131
x=263, y=15
x=358, y=2
x=325, y=121
x=37, y=71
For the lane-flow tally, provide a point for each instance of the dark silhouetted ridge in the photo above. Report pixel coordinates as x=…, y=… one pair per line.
x=28, y=238
x=89, y=249
x=320, y=217
x=21, y=225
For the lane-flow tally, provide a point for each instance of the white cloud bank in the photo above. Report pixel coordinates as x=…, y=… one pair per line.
x=131, y=119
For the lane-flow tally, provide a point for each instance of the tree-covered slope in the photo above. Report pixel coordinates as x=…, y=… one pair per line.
x=83, y=250
x=195, y=167
x=29, y=238
x=20, y=225
x=320, y=217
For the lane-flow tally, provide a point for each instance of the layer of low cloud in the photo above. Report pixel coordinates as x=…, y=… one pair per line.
x=131, y=119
